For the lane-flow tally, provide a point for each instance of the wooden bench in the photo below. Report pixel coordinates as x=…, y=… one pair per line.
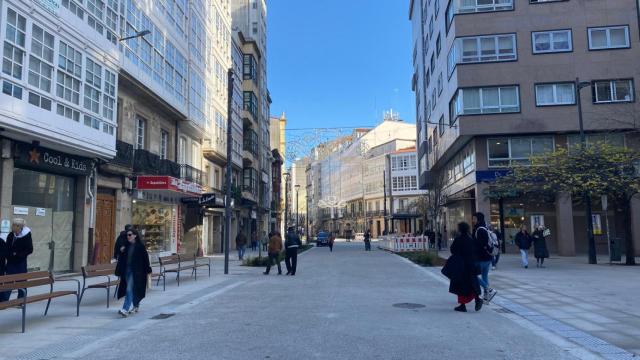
x=30, y=280
x=191, y=262
x=103, y=271
x=177, y=264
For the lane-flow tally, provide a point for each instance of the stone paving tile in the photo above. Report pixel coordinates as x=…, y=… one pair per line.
x=596, y=318
x=584, y=325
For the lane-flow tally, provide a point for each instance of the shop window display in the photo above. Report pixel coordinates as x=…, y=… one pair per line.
x=154, y=221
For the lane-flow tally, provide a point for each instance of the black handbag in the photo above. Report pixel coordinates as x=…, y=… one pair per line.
x=454, y=268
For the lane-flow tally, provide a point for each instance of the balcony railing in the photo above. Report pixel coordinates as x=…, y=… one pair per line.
x=169, y=168
x=189, y=173
x=124, y=154
x=145, y=162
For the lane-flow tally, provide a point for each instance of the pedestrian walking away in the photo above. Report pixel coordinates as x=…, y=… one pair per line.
x=540, y=250
x=484, y=253
x=523, y=242
x=332, y=239
x=274, y=249
x=133, y=269
x=241, y=243
x=18, y=247
x=462, y=271
x=264, y=242
x=121, y=240
x=367, y=240
x=291, y=244
x=439, y=236
x=254, y=241
x=4, y=252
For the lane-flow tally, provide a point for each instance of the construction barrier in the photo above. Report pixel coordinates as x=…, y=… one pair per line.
x=403, y=243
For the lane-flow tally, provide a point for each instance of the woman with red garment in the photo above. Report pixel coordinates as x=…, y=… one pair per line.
x=463, y=271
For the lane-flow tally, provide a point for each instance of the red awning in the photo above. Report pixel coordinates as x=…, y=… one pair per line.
x=168, y=183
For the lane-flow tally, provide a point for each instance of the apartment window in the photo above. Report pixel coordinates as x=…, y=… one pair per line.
x=248, y=67
x=438, y=45
x=182, y=154
x=250, y=103
x=12, y=89
x=613, y=139
x=440, y=84
x=108, y=97
x=471, y=6
x=433, y=99
x=544, y=1
x=612, y=91
x=555, y=94
x=478, y=49
x=141, y=125
x=74, y=8
x=511, y=151
x=404, y=183
x=13, y=51
x=93, y=84
x=164, y=144
x=403, y=162
x=551, y=41
x=436, y=7
x=91, y=122
x=68, y=112
x=41, y=59
x=488, y=100
x=614, y=37
x=16, y=28
x=441, y=125
x=39, y=101
x=108, y=129
x=254, y=28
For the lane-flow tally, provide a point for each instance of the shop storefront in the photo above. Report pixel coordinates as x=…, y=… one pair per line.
x=158, y=213
x=48, y=192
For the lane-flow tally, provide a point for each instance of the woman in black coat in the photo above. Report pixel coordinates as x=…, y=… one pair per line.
x=540, y=250
x=464, y=279
x=19, y=246
x=133, y=268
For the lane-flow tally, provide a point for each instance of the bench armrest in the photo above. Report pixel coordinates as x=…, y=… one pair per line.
x=66, y=278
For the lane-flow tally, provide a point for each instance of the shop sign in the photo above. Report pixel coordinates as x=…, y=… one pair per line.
x=52, y=6
x=40, y=212
x=167, y=183
x=211, y=200
x=20, y=210
x=489, y=175
x=5, y=226
x=597, y=224
x=38, y=158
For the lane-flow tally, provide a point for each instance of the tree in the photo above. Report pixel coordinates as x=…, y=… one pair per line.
x=435, y=198
x=599, y=169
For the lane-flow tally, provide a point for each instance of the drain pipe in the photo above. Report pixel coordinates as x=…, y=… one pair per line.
x=91, y=190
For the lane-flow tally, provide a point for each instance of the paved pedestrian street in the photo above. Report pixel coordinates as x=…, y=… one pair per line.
x=349, y=304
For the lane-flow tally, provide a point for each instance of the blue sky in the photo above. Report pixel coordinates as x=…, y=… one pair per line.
x=339, y=62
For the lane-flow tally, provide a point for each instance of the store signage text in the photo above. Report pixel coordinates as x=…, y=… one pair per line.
x=167, y=183
x=45, y=159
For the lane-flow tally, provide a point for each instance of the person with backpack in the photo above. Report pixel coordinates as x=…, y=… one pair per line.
x=540, y=250
x=462, y=271
x=484, y=240
x=523, y=242
x=496, y=250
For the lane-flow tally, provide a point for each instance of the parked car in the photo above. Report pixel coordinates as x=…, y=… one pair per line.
x=359, y=237
x=322, y=239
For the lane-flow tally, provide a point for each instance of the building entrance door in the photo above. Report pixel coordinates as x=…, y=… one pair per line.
x=105, y=227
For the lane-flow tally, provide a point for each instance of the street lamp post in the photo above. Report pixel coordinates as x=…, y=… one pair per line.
x=587, y=197
x=228, y=201
x=286, y=200
x=297, y=213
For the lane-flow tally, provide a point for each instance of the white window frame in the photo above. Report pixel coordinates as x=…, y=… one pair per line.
x=551, y=34
x=164, y=144
x=613, y=91
x=517, y=160
x=555, y=94
x=456, y=54
x=459, y=102
x=496, y=5
x=141, y=125
x=608, y=29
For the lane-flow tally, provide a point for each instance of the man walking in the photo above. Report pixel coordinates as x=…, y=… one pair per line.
x=275, y=246
x=484, y=253
x=241, y=242
x=291, y=244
